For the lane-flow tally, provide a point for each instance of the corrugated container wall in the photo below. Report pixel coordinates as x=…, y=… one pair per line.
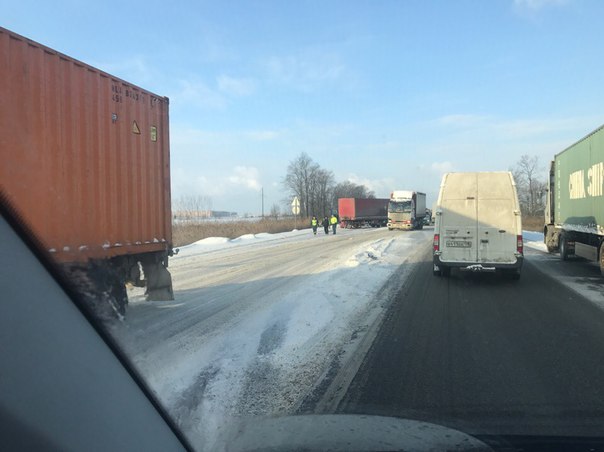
x=579, y=188
x=351, y=208
x=84, y=156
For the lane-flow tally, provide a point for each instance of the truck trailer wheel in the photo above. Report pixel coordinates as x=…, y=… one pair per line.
x=563, y=248
x=550, y=240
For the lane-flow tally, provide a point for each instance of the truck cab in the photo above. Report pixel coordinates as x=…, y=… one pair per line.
x=406, y=210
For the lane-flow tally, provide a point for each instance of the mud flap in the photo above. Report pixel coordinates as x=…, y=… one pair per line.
x=158, y=279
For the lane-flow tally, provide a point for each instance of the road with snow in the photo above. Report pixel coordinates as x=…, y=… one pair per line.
x=259, y=321
x=490, y=356
x=276, y=324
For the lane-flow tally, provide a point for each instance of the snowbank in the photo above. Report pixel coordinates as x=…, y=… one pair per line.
x=218, y=243
x=534, y=240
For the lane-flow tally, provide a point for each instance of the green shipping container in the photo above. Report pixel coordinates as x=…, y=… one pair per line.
x=578, y=196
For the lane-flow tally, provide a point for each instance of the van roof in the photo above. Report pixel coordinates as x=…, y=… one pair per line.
x=485, y=184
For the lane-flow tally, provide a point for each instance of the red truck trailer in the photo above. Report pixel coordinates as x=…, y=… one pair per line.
x=358, y=212
x=85, y=163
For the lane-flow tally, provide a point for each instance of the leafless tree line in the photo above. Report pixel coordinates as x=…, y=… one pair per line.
x=531, y=185
x=189, y=207
x=316, y=187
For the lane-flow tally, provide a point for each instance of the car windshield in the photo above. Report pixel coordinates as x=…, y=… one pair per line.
x=213, y=179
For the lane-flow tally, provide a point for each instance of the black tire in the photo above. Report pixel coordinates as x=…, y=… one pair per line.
x=119, y=297
x=602, y=258
x=563, y=248
x=436, y=271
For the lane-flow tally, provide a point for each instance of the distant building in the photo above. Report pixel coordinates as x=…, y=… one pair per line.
x=222, y=214
x=200, y=215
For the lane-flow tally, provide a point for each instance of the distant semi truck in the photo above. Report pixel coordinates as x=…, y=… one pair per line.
x=86, y=165
x=406, y=210
x=574, y=215
x=359, y=212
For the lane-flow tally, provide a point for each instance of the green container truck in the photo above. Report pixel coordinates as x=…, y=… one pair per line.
x=574, y=215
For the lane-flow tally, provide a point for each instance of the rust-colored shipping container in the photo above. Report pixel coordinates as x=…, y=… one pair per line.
x=358, y=212
x=84, y=160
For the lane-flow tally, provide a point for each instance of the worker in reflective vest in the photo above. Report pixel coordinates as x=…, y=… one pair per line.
x=334, y=221
x=314, y=223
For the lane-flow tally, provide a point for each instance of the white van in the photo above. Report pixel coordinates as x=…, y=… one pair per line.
x=478, y=224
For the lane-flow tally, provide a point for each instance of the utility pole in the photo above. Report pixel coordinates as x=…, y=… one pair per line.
x=262, y=202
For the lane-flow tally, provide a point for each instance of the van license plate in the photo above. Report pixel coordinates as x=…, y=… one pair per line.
x=458, y=244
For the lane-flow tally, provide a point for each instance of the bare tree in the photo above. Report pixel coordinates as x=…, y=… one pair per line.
x=349, y=189
x=530, y=185
x=275, y=211
x=324, y=181
x=311, y=184
x=191, y=207
x=316, y=189
x=298, y=179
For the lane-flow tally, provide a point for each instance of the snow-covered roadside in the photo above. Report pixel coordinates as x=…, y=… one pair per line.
x=534, y=240
x=219, y=243
x=266, y=361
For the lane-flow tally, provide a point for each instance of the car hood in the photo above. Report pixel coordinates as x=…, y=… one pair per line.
x=347, y=433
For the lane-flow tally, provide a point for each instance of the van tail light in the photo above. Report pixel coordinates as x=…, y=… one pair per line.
x=436, y=243
x=519, y=244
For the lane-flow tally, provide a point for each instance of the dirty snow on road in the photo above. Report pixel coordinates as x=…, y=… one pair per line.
x=257, y=321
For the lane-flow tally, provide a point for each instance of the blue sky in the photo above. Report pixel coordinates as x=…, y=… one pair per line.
x=386, y=93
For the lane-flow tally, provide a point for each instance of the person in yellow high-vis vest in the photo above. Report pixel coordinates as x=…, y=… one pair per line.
x=314, y=223
x=333, y=221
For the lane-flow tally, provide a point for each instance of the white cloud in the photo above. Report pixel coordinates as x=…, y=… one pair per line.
x=381, y=187
x=262, y=135
x=198, y=93
x=442, y=167
x=461, y=120
x=305, y=71
x=536, y=5
x=237, y=87
x=246, y=176
x=508, y=129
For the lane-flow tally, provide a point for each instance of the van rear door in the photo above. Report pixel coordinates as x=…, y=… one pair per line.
x=496, y=218
x=458, y=225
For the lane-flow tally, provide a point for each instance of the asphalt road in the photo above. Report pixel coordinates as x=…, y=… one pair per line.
x=487, y=356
